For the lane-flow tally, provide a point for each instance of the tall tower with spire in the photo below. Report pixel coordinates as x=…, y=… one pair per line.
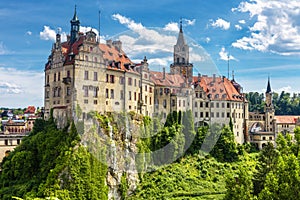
x=181, y=63
x=269, y=109
x=75, y=23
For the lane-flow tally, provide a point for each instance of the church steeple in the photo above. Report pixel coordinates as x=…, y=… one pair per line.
x=75, y=24
x=181, y=63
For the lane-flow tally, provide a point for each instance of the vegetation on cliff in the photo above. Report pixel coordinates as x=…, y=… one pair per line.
x=52, y=163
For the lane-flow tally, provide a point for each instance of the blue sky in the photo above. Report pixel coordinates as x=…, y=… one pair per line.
x=261, y=38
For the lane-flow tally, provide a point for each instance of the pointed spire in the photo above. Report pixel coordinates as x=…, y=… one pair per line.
x=181, y=40
x=180, y=25
x=75, y=18
x=269, y=86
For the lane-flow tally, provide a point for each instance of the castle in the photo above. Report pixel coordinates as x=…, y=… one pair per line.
x=84, y=74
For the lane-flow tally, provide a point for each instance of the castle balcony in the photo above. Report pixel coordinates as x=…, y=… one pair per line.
x=66, y=80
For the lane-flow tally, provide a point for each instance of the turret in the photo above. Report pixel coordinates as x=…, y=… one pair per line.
x=75, y=24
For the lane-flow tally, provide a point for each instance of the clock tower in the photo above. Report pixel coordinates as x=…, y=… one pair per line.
x=181, y=63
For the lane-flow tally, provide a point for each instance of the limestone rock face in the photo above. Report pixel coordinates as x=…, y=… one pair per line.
x=115, y=144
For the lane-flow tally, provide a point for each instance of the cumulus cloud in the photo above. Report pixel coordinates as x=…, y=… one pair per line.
x=221, y=23
x=48, y=34
x=224, y=55
x=28, y=33
x=172, y=26
x=242, y=21
x=145, y=40
x=276, y=27
x=207, y=39
x=20, y=84
x=238, y=27
x=190, y=22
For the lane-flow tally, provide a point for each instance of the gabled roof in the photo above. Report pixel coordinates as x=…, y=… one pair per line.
x=170, y=80
x=287, y=119
x=30, y=110
x=218, y=88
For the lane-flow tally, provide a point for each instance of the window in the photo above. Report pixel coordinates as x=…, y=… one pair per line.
x=58, y=76
x=86, y=91
x=223, y=105
x=107, y=78
x=58, y=91
x=201, y=114
x=95, y=102
x=165, y=103
x=134, y=96
x=68, y=73
x=129, y=81
x=47, y=79
x=95, y=92
x=121, y=80
x=121, y=94
x=196, y=114
x=206, y=114
x=217, y=105
x=95, y=76
x=150, y=100
x=223, y=115
x=196, y=104
x=86, y=101
x=206, y=104
x=183, y=103
x=179, y=103
x=211, y=104
x=150, y=89
x=146, y=99
x=129, y=95
x=68, y=91
x=112, y=78
x=86, y=75
x=54, y=77
x=135, y=82
x=107, y=93
x=6, y=142
x=146, y=88
x=91, y=48
x=212, y=114
x=228, y=115
x=112, y=94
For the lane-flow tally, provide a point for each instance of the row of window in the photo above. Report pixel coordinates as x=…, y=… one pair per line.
x=110, y=94
x=57, y=92
x=219, y=115
x=56, y=77
x=217, y=105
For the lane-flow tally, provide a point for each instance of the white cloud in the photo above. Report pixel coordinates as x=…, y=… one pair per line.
x=145, y=40
x=48, y=34
x=3, y=49
x=20, y=88
x=190, y=22
x=28, y=33
x=287, y=89
x=242, y=21
x=225, y=56
x=172, y=26
x=207, y=39
x=238, y=27
x=221, y=23
x=276, y=28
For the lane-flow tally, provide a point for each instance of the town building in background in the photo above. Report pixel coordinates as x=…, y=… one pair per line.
x=14, y=127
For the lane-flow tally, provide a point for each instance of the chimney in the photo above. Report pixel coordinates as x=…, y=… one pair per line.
x=199, y=77
x=164, y=73
x=109, y=43
x=214, y=78
x=117, y=45
x=223, y=78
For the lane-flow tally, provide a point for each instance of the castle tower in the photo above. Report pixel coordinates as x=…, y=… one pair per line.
x=75, y=24
x=181, y=63
x=269, y=109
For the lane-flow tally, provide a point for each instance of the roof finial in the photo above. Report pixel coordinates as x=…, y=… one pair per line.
x=233, y=75
x=75, y=18
x=181, y=24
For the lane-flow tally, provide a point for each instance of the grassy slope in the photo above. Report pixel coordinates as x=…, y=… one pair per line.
x=193, y=177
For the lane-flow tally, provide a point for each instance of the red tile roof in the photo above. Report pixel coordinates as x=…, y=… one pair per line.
x=30, y=109
x=286, y=119
x=219, y=88
x=170, y=80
